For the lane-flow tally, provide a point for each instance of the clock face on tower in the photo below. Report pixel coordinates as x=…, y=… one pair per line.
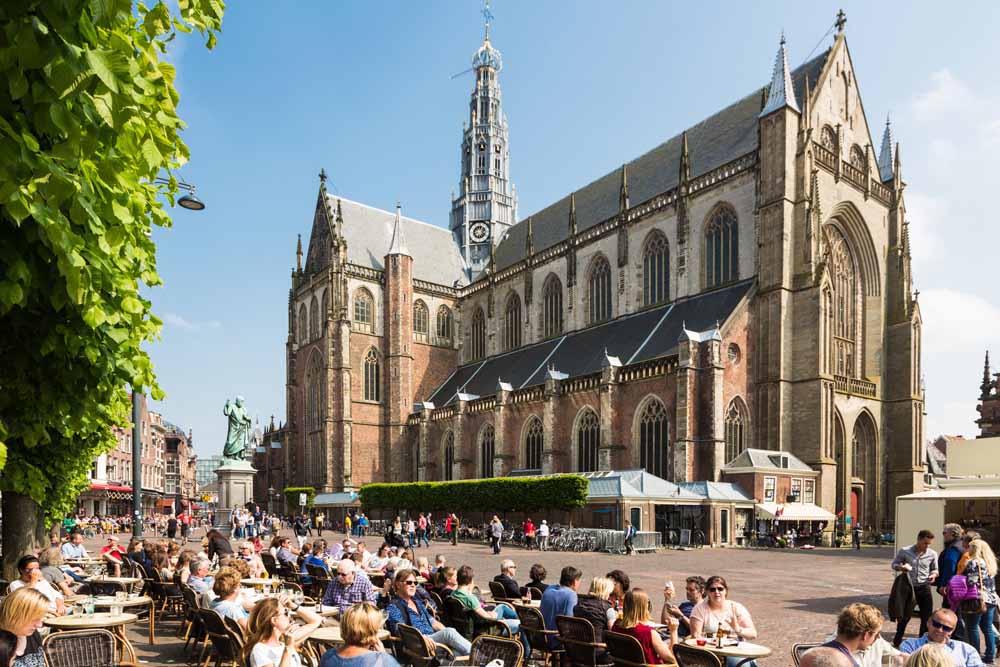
x=479, y=232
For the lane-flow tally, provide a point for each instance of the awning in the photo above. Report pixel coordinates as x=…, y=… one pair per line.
x=110, y=487
x=793, y=512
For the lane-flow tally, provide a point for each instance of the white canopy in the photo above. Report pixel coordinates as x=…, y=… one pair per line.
x=793, y=512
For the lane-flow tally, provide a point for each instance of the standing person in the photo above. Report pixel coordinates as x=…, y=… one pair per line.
x=981, y=572
x=411, y=533
x=218, y=545
x=320, y=520
x=560, y=600
x=455, y=523
x=630, y=532
x=496, y=534
x=918, y=562
x=363, y=525
x=856, y=535
x=529, y=533
x=949, y=557
x=185, y=520
x=300, y=529
x=543, y=536
x=272, y=642
x=172, y=527
x=347, y=525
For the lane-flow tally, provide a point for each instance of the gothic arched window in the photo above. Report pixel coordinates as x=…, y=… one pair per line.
x=533, y=439
x=324, y=308
x=845, y=309
x=313, y=318
x=858, y=157
x=512, y=323
x=655, y=270
x=654, y=448
x=478, y=350
x=487, y=444
x=364, y=310
x=444, y=324
x=421, y=323
x=588, y=442
x=599, y=291
x=828, y=138
x=736, y=428
x=721, y=248
x=303, y=325
x=449, y=456
x=552, y=307
x=315, y=400
x=373, y=380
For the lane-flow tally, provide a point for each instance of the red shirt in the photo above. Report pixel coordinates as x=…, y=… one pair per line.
x=529, y=529
x=644, y=633
x=115, y=552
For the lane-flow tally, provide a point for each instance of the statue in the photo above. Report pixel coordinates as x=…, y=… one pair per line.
x=238, y=435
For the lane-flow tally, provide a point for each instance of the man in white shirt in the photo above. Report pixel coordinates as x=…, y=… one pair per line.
x=543, y=536
x=31, y=576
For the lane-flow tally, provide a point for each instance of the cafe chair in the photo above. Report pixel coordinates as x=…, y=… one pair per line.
x=320, y=580
x=468, y=624
x=73, y=648
x=498, y=592
x=420, y=651
x=536, y=593
x=693, y=656
x=533, y=626
x=226, y=644
x=798, y=650
x=625, y=650
x=269, y=563
x=487, y=648
x=580, y=643
x=191, y=627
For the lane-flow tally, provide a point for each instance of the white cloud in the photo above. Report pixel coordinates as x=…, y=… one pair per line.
x=992, y=131
x=926, y=215
x=948, y=93
x=958, y=328
x=180, y=322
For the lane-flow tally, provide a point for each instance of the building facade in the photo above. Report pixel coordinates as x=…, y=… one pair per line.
x=747, y=283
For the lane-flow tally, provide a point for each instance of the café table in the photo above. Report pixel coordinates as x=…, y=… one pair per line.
x=746, y=650
x=108, y=601
x=114, y=622
x=104, y=579
x=330, y=634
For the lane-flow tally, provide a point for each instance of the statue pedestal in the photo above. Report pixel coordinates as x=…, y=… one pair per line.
x=235, y=490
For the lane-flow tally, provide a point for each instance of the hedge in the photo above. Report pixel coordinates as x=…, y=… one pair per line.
x=562, y=492
x=292, y=496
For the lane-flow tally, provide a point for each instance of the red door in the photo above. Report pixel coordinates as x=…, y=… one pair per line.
x=854, y=507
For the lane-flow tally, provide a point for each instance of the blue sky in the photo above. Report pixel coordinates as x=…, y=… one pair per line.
x=364, y=90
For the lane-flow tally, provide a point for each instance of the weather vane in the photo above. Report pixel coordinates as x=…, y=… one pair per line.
x=487, y=17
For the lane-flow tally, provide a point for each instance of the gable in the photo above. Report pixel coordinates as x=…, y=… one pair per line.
x=318, y=255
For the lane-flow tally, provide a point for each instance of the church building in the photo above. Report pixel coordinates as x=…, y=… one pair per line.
x=746, y=284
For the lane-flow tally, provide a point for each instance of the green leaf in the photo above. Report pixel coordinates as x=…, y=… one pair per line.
x=131, y=305
x=151, y=154
x=100, y=62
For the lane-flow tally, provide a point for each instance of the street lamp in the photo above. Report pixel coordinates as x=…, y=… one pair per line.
x=191, y=203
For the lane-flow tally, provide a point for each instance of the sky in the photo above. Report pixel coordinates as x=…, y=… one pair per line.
x=366, y=92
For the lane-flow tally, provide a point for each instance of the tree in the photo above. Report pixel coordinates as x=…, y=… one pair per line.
x=88, y=119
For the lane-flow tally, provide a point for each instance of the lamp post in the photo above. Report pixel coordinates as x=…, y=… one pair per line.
x=191, y=203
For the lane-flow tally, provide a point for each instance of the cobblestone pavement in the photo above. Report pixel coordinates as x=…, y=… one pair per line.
x=792, y=595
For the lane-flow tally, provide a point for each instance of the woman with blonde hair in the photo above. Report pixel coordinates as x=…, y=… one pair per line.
x=635, y=623
x=980, y=572
x=271, y=641
x=931, y=655
x=21, y=613
x=595, y=606
x=359, y=629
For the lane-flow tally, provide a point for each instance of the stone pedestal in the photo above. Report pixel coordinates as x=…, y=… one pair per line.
x=235, y=490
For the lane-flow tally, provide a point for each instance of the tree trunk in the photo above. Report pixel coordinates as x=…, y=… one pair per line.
x=22, y=517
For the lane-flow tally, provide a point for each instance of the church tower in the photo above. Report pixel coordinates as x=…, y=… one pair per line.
x=486, y=205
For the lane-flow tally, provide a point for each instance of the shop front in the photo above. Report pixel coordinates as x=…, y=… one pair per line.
x=791, y=524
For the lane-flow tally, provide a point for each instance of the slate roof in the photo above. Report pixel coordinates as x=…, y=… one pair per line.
x=632, y=338
x=724, y=491
x=634, y=484
x=713, y=142
x=767, y=458
x=368, y=231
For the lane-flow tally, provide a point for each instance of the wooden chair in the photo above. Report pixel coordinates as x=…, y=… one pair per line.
x=269, y=563
x=580, y=643
x=536, y=593
x=226, y=644
x=499, y=593
x=625, y=650
x=693, y=656
x=320, y=580
x=487, y=648
x=533, y=626
x=468, y=624
x=798, y=650
x=418, y=650
x=438, y=602
x=73, y=648
x=191, y=623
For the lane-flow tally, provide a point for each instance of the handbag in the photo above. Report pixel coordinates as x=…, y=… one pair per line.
x=976, y=605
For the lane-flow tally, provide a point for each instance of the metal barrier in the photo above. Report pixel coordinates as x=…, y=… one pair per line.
x=647, y=541
x=603, y=539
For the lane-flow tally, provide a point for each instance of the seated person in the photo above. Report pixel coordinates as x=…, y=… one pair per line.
x=273, y=639
x=31, y=577
x=113, y=554
x=249, y=556
x=200, y=581
x=596, y=608
x=74, y=549
x=635, y=623
x=408, y=609
x=536, y=580
x=362, y=648
x=446, y=581
x=718, y=612
x=694, y=590
x=228, y=601
x=439, y=562
x=380, y=560
x=506, y=579
x=858, y=636
x=137, y=553
x=51, y=561
x=560, y=600
x=286, y=554
x=464, y=594
x=939, y=629
x=349, y=587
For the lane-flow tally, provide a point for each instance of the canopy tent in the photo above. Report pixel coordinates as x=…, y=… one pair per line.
x=793, y=512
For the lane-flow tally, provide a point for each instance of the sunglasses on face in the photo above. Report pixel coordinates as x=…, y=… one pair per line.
x=716, y=589
x=942, y=626
x=410, y=583
x=343, y=574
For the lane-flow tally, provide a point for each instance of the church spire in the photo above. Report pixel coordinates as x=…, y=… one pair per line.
x=298, y=254
x=781, y=93
x=398, y=244
x=885, y=153
x=987, y=382
x=806, y=123
x=623, y=194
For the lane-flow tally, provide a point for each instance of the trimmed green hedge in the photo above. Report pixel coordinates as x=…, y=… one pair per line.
x=292, y=495
x=563, y=492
